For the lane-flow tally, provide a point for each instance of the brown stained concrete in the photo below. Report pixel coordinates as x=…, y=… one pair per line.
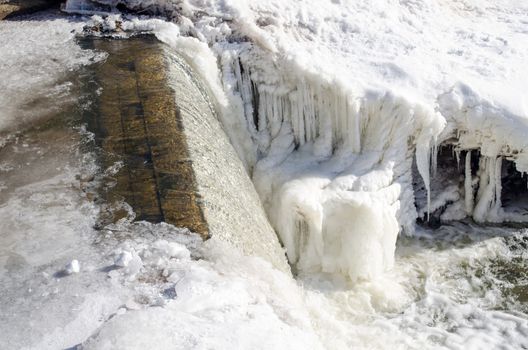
x=20, y=7
x=139, y=122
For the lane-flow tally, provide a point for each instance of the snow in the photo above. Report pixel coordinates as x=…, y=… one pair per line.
x=435, y=298
x=72, y=267
x=123, y=259
x=345, y=96
x=236, y=302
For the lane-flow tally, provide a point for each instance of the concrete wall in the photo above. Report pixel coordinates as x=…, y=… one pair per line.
x=179, y=166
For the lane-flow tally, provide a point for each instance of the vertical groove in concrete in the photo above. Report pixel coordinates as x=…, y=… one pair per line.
x=139, y=122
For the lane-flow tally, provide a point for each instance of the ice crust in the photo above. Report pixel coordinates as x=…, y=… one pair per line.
x=328, y=106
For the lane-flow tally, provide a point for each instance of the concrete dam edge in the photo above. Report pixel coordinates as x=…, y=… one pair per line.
x=178, y=165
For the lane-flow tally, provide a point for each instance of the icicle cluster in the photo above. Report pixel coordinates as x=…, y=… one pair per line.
x=334, y=168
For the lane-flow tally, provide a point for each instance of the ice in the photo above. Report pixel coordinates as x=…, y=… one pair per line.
x=173, y=249
x=328, y=106
x=488, y=201
x=72, y=267
x=237, y=305
x=496, y=132
x=329, y=158
x=123, y=259
x=336, y=112
x=35, y=74
x=435, y=298
x=46, y=228
x=468, y=185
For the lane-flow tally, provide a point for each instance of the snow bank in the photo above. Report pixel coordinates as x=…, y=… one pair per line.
x=214, y=297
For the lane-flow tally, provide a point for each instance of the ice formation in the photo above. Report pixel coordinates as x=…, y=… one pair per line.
x=494, y=133
x=334, y=173
x=336, y=102
x=454, y=288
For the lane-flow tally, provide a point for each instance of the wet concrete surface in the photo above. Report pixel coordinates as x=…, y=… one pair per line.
x=137, y=121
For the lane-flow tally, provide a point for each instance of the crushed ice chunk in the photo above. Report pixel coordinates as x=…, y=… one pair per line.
x=172, y=249
x=123, y=259
x=72, y=267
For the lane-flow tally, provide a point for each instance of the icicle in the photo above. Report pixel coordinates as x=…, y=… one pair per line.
x=434, y=157
x=275, y=109
x=262, y=118
x=309, y=120
x=244, y=88
x=468, y=185
x=488, y=203
x=354, y=135
x=423, y=158
x=325, y=117
x=297, y=118
x=498, y=185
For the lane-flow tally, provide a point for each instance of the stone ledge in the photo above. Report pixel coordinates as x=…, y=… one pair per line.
x=155, y=116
